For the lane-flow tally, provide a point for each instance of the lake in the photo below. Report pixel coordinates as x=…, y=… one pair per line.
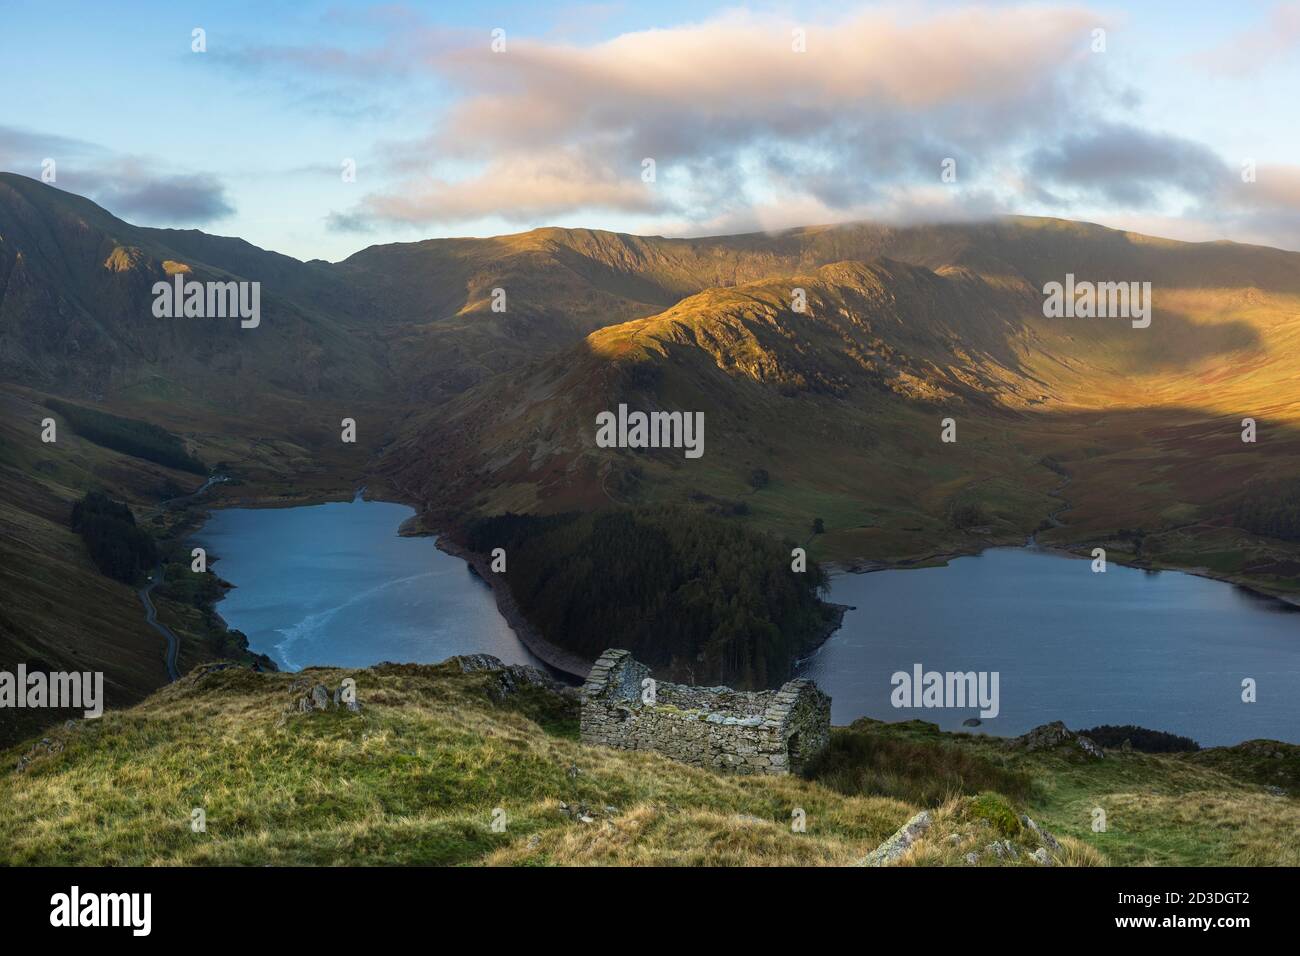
x=1162, y=650
x=334, y=584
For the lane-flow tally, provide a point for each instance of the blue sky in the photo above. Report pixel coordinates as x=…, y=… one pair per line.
x=451, y=138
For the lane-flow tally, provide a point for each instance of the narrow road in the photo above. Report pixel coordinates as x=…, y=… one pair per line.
x=151, y=616
x=155, y=579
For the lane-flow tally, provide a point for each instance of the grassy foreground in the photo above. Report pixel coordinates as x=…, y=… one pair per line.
x=416, y=776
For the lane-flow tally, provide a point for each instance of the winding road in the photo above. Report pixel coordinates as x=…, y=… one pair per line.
x=151, y=616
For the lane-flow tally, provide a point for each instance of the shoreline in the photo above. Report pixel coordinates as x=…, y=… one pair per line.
x=941, y=559
x=550, y=654
x=566, y=662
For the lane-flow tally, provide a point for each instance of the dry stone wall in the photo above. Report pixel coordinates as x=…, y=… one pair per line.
x=771, y=731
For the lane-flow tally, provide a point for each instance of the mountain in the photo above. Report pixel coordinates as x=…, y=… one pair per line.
x=1088, y=432
x=841, y=405
x=436, y=753
x=76, y=313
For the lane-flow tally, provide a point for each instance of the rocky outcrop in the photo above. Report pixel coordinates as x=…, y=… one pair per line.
x=898, y=844
x=1056, y=734
x=747, y=732
x=510, y=678
x=320, y=697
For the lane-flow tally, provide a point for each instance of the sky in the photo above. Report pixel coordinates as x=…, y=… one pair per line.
x=672, y=118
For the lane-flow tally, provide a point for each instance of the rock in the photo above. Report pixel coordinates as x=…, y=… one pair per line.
x=1089, y=746
x=954, y=838
x=1042, y=857
x=1055, y=734
x=353, y=705
x=471, y=663
x=510, y=677
x=897, y=845
x=1045, y=736
x=1045, y=838
x=1003, y=849
x=320, y=697
x=972, y=858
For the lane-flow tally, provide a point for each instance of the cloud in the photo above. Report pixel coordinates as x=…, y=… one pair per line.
x=1252, y=50
x=732, y=114
x=1124, y=164
x=131, y=187
x=515, y=188
x=144, y=196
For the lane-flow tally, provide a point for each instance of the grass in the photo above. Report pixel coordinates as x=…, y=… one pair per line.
x=417, y=775
x=414, y=778
x=924, y=770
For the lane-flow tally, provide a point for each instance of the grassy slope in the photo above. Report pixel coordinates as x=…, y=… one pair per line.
x=415, y=777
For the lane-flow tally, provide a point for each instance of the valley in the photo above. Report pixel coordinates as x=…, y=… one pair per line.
x=465, y=413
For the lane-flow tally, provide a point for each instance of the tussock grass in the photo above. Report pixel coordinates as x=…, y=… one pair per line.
x=413, y=779
x=416, y=776
x=872, y=757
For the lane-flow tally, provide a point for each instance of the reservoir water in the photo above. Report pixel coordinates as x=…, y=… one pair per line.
x=1162, y=650
x=334, y=584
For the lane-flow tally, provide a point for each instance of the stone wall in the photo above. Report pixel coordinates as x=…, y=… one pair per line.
x=771, y=731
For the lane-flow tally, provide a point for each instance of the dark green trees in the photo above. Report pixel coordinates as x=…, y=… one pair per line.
x=118, y=548
x=697, y=597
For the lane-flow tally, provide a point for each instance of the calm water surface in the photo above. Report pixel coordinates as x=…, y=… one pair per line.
x=1158, y=649
x=333, y=584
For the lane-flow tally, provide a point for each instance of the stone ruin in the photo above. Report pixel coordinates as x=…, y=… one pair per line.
x=749, y=732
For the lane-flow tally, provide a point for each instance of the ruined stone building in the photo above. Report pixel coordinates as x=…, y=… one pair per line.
x=770, y=731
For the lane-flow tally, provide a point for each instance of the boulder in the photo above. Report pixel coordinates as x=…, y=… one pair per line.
x=897, y=845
